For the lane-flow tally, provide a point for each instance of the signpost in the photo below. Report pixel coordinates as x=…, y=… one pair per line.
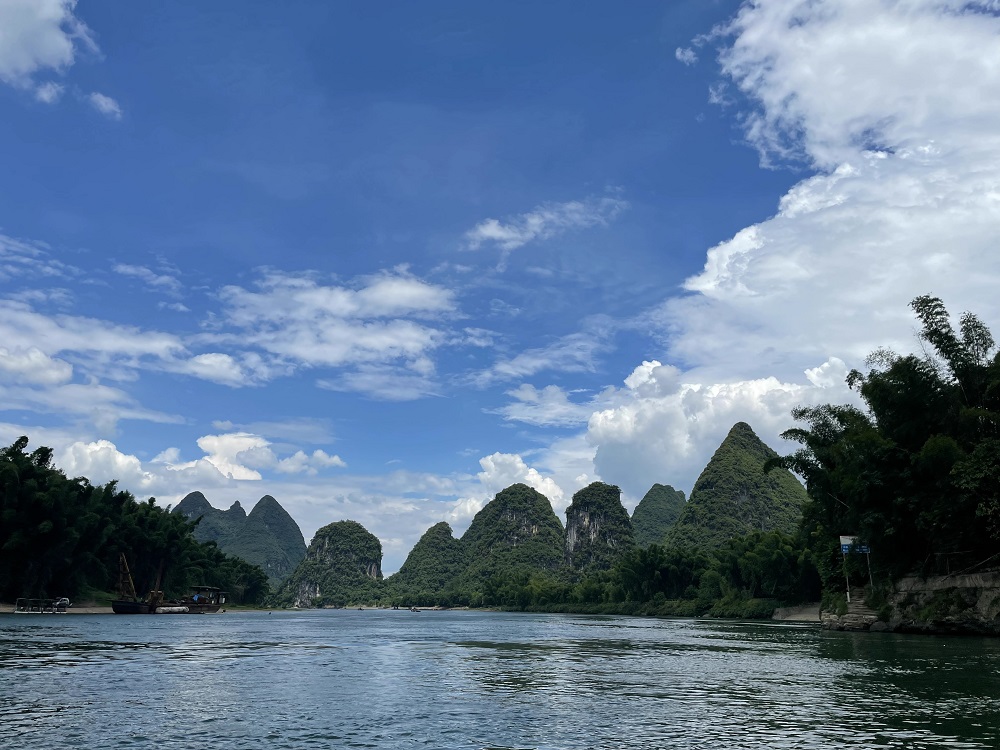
x=849, y=544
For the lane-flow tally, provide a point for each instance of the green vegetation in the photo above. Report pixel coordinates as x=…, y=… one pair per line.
x=343, y=565
x=916, y=473
x=598, y=529
x=734, y=496
x=656, y=513
x=429, y=575
x=516, y=533
x=62, y=537
x=268, y=537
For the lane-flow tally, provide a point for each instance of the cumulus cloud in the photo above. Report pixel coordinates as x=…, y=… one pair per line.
x=891, y=105
x=499, y=471
x=39, y=35
x=544, y=222
x=686, y=55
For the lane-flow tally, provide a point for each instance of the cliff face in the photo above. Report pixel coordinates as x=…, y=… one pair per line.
x=658, y=510
x=268, y=537
x=517, y=529
x=342, y=564
x=734, y=497
x=598, y=529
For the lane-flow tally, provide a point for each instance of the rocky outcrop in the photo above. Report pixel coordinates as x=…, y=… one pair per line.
x=598, y=529
x=962, y=604
x=734, y=496
x=343, y=565
x=658, y=510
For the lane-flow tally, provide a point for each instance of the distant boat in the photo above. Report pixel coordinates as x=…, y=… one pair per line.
x=41, y=606
x=201, y=600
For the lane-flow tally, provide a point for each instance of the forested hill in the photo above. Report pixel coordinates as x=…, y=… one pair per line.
x=734, y=496
x=432, y=566
x=658, y=510
x=343, y=565
x=267, y=537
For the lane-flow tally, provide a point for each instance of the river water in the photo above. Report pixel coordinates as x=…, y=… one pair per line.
x=395, y=679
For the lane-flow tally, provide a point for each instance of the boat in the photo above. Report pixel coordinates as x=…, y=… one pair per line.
x=201, y=600
x=26, y=606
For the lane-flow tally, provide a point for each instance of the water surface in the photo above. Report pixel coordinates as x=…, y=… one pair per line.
x=391, y=679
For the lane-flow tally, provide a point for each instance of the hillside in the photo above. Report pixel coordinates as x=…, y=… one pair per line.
x=268, y=537
x=598, y=529
x=434, y=563
x=517, y=531
x=343, y=564
x=734, y=497
x=658, y=510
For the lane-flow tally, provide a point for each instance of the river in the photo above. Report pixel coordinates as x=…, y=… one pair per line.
x=456, y=679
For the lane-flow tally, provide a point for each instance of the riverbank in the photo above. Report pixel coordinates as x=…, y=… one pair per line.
x=8, y=607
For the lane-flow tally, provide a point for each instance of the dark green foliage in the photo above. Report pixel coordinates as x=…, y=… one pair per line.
x=914, y=474
x=656, y=513
x=268, y=537
x=431, y=569
x=516, y=532
x=598, y=529
x=343, y=565
x=61, y=536
x=734, y=496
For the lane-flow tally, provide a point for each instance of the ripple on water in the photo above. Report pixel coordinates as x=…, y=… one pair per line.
x=488, y=680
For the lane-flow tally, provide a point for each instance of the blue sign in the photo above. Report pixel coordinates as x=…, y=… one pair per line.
x=862, y=548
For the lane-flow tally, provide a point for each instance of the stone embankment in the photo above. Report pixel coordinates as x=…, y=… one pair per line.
x=959, y=604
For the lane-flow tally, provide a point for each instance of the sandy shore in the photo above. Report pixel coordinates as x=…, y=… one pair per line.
x=805, y=613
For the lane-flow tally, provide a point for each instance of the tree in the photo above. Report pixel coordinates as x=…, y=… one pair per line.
x=913, y=473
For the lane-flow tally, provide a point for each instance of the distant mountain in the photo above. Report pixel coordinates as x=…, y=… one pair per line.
x=598, y=529
x=516, y=531
x=343, y=564
x=733, y=496
x=658, y=510
x=434, y=562
x=268, y=537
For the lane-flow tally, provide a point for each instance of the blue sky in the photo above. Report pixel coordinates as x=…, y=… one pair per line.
x=382, y=260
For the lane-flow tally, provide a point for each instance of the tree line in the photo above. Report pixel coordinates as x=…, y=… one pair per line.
x=62, y=536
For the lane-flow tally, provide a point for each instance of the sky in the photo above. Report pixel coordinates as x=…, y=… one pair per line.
x=382, y=260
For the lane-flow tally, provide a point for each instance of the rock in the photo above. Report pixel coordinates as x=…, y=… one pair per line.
x=598, y=529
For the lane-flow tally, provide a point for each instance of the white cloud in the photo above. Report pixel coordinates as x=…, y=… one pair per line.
x=300, y=320
x=105, y=105
x=49, y=92
x=661, y=429
x=39, y=35
x=893, y=104
x=34, y=366
x=544, y=222
x=152, y=279
x=686, y=55
x=549, y=407
x=499, y=471
x=575, y=352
